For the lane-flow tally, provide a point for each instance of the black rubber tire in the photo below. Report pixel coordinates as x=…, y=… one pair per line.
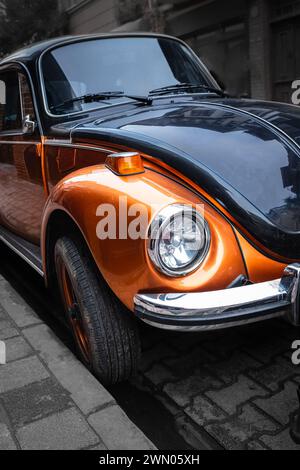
x=111, y=331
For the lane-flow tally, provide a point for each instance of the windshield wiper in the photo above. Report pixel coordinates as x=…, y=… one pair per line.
x=94, y=97
x=186, y=87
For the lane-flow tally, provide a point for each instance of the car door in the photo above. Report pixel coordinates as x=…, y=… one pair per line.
x=22, y=195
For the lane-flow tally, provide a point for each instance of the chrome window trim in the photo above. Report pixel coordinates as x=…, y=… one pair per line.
x=21, y=97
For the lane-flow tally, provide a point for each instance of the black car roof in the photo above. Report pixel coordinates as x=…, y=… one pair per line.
x=33, y=52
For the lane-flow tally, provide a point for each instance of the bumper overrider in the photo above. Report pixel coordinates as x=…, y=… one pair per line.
x=224, y=308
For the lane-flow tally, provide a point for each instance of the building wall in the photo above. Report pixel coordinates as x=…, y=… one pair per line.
x=259, y=49
x=93, y=16
x=217, y=32
x=250, y=45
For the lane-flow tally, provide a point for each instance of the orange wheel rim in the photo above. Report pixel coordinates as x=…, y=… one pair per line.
x=74, y=315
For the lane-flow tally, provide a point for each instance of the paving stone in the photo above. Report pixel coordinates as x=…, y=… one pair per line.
x=35, y=401
x=150, y=338
x=62, y=431
x=100, y=446
x=7, y=330
x=281, y=441
x=17, y=348
x=229, y=436
x=85, y=390
x=202, y=411
x=20, y=373
x=225, y=344
x=156, y=354
x=229, y=398
x=117, y=431
x=16, y=308
x=252, y=420
x=184, y=343
x=182, y=392
x=272, y=375
x=265, y=348
x=282, y=404
x=159, y=374
x=2, y=313
x=230, y=369
x=6, y=440
x=280, y=328
x=186, y=364
x=255, y=446
x=3, y=415
x=236, y=432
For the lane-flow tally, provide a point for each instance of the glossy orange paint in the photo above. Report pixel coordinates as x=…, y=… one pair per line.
x=79, y=187
x=124, y=263
x=160, y=166
x=260, y=267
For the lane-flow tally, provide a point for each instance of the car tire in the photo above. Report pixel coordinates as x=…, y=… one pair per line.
x=105, y=334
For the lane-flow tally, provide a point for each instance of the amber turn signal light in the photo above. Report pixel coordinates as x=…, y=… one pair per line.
x=125, y=163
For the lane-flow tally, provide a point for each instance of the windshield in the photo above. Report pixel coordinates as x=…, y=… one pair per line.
x=134, y=66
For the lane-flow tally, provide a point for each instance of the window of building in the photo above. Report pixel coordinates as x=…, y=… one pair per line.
x=225, y=53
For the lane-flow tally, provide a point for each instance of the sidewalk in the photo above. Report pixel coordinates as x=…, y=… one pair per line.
x=48, y=399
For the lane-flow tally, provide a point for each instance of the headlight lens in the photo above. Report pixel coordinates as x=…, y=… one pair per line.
x=179, y=240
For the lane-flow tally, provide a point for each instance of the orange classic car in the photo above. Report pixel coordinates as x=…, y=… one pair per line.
x=137, y=187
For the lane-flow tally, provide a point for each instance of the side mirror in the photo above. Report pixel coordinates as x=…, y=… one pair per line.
x=29, y=125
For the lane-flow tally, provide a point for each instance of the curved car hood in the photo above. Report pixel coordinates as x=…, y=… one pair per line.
x=244, y=153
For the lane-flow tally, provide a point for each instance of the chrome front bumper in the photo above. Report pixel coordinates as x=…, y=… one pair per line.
x=224, y=308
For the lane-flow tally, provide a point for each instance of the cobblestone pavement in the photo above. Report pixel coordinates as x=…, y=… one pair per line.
x=233, y=389
x=237, y=385
x=48, y=399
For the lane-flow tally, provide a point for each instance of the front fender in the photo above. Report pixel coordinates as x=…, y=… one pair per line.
x=124, y=263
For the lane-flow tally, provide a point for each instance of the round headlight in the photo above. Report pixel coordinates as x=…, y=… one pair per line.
x=179, y=240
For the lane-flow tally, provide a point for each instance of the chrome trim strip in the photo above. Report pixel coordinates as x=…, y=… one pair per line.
x=203, y=328
x=18, y=142
x=19, y=253
x=224, y=308
x=58, y=143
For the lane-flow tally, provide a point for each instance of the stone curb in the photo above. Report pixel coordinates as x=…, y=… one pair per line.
x=101, y=413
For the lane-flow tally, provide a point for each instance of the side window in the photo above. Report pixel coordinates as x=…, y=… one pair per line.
x=10, y=105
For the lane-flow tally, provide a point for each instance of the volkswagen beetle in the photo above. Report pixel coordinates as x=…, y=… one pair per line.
x=137, y=188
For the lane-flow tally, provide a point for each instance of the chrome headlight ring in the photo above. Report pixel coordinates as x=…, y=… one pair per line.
x=178, y=240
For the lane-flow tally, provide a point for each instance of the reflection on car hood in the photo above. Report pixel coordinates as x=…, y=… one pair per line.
x=244, y=153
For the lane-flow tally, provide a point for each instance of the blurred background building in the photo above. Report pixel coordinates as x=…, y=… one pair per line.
x=251, y=45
